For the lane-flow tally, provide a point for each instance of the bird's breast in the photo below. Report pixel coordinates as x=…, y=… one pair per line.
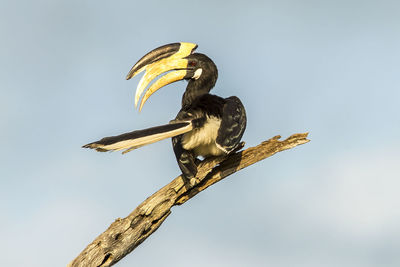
x=202, y=141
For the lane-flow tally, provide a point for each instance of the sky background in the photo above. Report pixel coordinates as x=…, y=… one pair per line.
x=330, y=68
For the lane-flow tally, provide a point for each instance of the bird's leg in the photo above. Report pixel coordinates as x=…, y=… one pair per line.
x=185, y=159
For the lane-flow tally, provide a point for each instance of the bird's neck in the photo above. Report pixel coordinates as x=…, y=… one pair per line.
x=194, y=89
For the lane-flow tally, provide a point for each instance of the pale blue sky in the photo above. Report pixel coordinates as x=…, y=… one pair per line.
x=327, y=67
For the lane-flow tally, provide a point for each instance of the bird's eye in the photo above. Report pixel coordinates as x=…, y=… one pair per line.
x=192, y=63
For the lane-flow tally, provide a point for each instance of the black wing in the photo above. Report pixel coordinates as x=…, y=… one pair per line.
x=233, y=124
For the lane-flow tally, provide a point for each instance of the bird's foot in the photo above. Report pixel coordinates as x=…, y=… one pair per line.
x=189, y=177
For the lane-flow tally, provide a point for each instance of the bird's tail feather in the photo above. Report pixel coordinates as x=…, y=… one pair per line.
x=136, y=139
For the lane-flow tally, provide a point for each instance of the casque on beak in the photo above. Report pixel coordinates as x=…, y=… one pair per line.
x=166, y=58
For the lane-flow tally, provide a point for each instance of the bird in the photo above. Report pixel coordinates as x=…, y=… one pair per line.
x=206, y=125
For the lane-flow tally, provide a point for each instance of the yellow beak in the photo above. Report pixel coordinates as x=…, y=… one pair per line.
x=155, y=63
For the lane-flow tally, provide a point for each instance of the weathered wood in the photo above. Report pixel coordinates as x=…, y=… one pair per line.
x=126, y=234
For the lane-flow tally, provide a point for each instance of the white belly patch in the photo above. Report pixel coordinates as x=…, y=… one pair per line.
x=203, y=140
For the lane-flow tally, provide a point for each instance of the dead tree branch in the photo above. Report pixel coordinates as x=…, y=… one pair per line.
x=126, y=234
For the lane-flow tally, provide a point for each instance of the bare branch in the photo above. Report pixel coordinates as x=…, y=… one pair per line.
x=126, y=234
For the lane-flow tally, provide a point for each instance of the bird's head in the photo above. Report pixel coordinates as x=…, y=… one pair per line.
x=179, y=62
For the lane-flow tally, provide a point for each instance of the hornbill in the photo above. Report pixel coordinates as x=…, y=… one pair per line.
x=206, y=125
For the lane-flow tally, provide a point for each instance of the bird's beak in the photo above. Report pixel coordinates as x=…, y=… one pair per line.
x=166, y=58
